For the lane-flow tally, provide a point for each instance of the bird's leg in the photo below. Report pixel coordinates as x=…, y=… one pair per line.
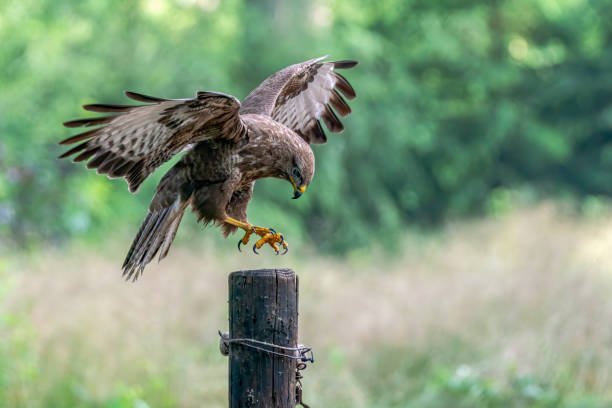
x=268, y=236
x=248, y=229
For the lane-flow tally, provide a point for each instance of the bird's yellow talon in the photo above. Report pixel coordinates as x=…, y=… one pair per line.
x=245, y=239
x=268, y=236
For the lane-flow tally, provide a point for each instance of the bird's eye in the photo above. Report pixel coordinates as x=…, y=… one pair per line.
x=296, y=173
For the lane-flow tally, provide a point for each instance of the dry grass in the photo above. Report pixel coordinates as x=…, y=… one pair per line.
x=530, y=293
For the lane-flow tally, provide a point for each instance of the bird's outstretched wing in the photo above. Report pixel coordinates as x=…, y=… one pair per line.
x=302, y=94
x=137, y=139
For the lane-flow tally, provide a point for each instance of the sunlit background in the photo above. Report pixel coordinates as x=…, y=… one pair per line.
x=453, y=248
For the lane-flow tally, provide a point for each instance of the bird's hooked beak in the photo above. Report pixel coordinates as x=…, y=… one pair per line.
x=297, y=191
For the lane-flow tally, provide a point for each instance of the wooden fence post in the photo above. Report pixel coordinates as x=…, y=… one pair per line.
x=263, y=306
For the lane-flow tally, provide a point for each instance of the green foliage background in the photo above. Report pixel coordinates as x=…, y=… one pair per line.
x=462, y=106
x=458, y=103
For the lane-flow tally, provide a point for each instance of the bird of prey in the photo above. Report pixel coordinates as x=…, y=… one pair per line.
x=228, y=146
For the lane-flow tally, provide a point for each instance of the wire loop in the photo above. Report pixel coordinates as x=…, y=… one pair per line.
x=303, y=354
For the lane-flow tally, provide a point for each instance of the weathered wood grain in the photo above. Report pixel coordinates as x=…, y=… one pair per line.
x=263, y=305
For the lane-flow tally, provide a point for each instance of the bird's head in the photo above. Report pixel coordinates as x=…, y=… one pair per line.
x=299, y=170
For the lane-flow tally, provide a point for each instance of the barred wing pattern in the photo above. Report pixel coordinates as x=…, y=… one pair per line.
x=138, y=139
x=301, y=95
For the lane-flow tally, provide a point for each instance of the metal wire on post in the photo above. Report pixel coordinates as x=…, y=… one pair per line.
x=303, y=354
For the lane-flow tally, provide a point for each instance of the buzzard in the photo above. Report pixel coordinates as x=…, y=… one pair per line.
x=229, y=145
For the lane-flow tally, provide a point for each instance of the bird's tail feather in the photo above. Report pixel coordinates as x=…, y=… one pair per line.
x=155, y=235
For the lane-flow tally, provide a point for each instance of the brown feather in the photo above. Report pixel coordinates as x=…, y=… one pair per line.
x=331, y=120
x=108, y=164
x=74, y=150
x=339, y=104
x=150, y=236
x=344, y=86
x=79, y=137
x=99, y=107
x=144, y=98
x=316, y=134
x=88, y=121
x=121, y=168
x=86, y=154
x=143, y=226
x=98, y=160
x=132, y=263
x=170, y=234
x=344, y=64
x=135, y=177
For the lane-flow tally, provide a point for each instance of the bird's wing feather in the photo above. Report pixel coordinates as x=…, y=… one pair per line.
x=137, y=139
x=302, y=95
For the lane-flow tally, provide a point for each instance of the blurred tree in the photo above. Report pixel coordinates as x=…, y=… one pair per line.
x=456, y=99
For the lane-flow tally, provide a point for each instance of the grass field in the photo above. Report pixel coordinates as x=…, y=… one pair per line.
x=512, y=311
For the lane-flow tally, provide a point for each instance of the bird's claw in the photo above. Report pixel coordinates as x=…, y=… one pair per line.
x=285, y=246
x=272, y=239
x=268, y=236
x=245, y=239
